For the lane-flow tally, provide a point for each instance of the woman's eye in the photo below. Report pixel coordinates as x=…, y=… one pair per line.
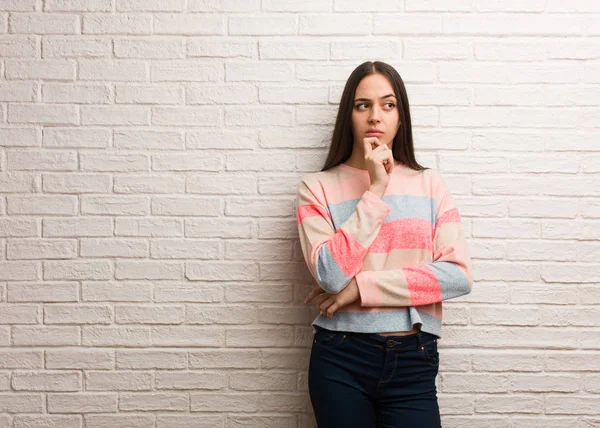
x=392, y=105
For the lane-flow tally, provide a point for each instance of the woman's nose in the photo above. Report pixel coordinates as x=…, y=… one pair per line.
x=374, y=114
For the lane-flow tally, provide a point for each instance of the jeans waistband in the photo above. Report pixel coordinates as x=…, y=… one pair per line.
x=411, y=340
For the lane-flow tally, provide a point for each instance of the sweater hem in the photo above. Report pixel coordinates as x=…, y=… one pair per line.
x=377, y=322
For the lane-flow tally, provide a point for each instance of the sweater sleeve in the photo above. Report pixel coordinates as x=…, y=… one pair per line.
x=448, y=276
x=333, y=256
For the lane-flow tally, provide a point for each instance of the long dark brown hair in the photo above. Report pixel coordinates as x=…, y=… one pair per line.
x=342, y=141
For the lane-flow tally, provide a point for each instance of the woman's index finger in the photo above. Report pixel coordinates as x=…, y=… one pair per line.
x=367, y=145
x=372, y=143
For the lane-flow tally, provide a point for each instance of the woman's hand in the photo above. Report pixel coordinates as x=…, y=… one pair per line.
x=329, y=303
x=379, y=160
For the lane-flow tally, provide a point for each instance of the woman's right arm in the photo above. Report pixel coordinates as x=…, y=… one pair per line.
x=335, y=257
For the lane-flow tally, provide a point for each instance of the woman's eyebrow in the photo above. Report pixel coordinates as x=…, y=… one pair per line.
x=367, y=99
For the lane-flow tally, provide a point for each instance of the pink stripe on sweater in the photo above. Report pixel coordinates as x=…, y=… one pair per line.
x=421, y=282
x=306, y=211
x=401, y=234
x=342, y=247
x=450, y=216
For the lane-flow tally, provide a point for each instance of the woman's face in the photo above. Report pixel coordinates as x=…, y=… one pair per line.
x=373, y=108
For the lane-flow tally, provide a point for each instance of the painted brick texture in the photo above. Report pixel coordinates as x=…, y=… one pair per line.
x=150, y=270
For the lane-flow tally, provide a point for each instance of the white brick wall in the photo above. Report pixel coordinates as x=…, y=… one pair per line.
x=150, y=274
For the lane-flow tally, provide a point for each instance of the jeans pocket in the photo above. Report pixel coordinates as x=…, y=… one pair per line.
x=329, y=339
x=429, y=353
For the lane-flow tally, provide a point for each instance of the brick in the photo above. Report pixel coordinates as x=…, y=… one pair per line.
x=46, y=336
x=47, y=381
x=111, y=291
x=116, y=205
x=219, y=47
x=119, y=421
x=43, y=292
x=115, y=336
x=155, y=314
x=326, y=24
x=155, y=401
x=175, y=380
x=47, y=421
x=41, y=249
x=43, y=23
x=46, y=69
x=77, y=358
x=75, y=47
x=20, y=137
x=115, y=70
x=43, y=114
x=77, y=314
x=149, y=94
x=21, y=359
x=122, y=248
x=150, y=5
x=118, y=380
x=151, y=359
x=21, y=403
x=82, y=403
x=18, y=46
x=117, y=24
x=80, y=183
x=189, y=24
x=255, y=25
x=19, y=92
x=78, y=5
x=149, y=227
x=76, y=137
x=81, y=226
x=77, y=94
x=149, y=48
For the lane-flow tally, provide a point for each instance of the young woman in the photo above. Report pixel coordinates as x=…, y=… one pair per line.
x=383, y=239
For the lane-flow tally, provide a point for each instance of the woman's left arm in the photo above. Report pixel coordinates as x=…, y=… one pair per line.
x=449, y=275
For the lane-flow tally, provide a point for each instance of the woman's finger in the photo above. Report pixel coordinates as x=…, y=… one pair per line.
x=325, y=304
x=321, y=298
x=382, y=149
x=384, y=159
x=331, y=310
x=367, y=146
x=373, y=143
x=313, y=294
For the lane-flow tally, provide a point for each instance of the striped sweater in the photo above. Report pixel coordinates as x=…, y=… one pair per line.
x=407, y=251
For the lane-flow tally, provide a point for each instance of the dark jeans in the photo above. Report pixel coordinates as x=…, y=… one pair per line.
x=365, y=380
